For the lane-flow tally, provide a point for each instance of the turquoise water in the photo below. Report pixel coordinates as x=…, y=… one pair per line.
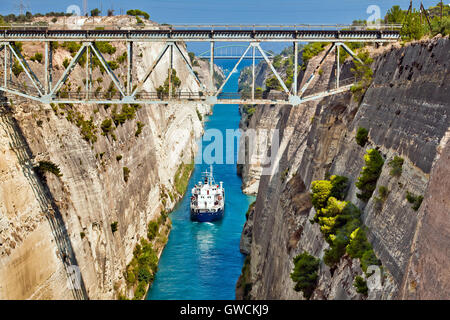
x=202, y=260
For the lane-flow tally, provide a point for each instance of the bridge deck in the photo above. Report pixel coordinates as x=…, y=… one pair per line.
x=28, y=34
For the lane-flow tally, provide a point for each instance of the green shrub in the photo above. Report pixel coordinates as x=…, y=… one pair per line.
x=361, y=285
x=37, y=57
x=119, y=157
x=105, y=47
x=48, y=166
x=128, y=112
x=114, y=226
x=358, y=244
x=369, y=175
x=381, y=198
x=107, y=126
x=66, y=63
x=363, y=75
x=126, y=174
x=121, y=59
x=322, y=190
x=138, y=12
x=164, y=89
x=199, y=115
x=273, y=84
x=250, y=208
x=17, y=68
x=182, y=177
x=140, y=125
x=311, y=50
x=305, y=273
x=88, y=128
x=140, y=290
x=82, y=235
x=362, y=136
x=396, y=165
x=113, y=64
x=144, y=274
x=152, y=230
x=415, y=200
x=339, y=186
x=359, y=247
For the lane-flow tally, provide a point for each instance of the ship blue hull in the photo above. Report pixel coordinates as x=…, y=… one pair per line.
x=207, y=216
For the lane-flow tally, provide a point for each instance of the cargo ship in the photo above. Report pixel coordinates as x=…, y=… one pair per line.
x=208, y=199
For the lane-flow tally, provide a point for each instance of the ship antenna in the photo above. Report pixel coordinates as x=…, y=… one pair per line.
x=211, y=173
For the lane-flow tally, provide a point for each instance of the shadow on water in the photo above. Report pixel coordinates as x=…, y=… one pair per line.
x=202, y=260
x=21, y=148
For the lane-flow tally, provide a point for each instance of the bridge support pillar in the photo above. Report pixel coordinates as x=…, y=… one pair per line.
x=211, y=66
x=338, y=69
x=253, y=73
x=294, y=85
x=5, y=62
x=129, y=67
x=170, y=70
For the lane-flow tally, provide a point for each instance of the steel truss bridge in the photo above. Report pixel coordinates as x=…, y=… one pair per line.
x=131, y=92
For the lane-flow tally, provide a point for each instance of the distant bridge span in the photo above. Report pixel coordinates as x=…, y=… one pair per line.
x=45, y=91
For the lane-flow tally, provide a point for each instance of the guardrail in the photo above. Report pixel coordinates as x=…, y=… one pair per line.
x=208, y=27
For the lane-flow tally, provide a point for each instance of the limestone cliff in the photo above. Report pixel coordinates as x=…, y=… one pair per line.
x=406, y=111
x=50, y=224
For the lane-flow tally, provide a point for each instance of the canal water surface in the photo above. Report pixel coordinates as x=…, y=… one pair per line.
x=202, y=260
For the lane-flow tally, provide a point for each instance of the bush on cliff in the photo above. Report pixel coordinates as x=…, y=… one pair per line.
x=362, y=136
x=396, y=165
x=369, y=175
x=363, y=75
x=360, y=247
x=305, y=273
x=48, y=166
x=415, y=200
x=361, y=285
x=323, y=189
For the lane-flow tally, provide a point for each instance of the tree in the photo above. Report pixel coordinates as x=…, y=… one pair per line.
x=305, y=273
x=369, y=175
x=395, y=15
x=95, y=12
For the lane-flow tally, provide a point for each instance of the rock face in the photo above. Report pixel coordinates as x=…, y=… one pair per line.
x=50, y=228
x=406, y=111
x=430, y=255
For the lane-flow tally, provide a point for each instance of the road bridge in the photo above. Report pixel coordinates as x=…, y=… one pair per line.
x=131, y=91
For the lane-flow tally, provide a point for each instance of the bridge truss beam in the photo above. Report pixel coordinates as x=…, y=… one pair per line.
x=128, y=93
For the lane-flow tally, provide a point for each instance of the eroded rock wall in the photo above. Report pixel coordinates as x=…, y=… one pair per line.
x=406, y=110
x=92, y=193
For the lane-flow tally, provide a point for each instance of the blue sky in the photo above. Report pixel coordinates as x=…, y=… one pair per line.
x=228, y=11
